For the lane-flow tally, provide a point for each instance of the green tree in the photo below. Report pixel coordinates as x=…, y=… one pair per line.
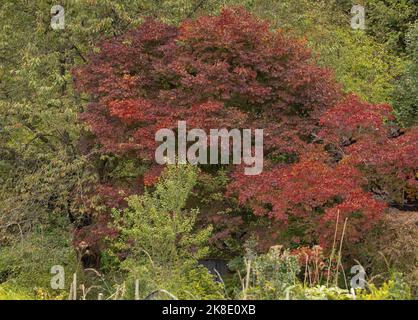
x=388, y=21
x=406, y=97
x=43, y=173
x=158, y=241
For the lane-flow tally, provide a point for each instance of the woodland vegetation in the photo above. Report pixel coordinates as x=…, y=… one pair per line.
x=79, y=187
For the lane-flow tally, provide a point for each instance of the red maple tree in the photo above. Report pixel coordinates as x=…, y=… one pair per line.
x=232, y=71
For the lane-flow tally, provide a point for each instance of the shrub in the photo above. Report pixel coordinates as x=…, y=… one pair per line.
x=10, y=293
x=270, y=276
x=391, y=246
x=157, y=243
x=26, y=265
x=320, y=292
x=393, y=289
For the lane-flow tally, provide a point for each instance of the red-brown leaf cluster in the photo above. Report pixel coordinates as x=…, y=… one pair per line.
x=232, y=71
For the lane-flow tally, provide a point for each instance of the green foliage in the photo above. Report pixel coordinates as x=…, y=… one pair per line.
x=406, y=97
x=271, y=275
x=274, y=276
x=26, y=265
x=157, y=240
x=361, y=65
x=44, y=174
x=388, y=21
x=394, y=289
x=42, y=170
x=186, y=281
x=156, y=222
x=9, y=293
x=320, y=292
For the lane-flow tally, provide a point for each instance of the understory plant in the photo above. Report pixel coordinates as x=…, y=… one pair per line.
x=158, y=247
x=276, y=275
x=25, y=266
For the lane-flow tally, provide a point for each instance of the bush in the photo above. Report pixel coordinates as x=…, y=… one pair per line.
x=184, y=281
x=26, y=265
x=157, y=244
x=270, y=276
x=394, y=289
x=10, y=293
x=391, y=246
x=320, y=292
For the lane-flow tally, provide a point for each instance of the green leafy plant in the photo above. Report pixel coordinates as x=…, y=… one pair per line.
x=393, y=289
x=26, y=265
x=157, y=245
x=269, y=276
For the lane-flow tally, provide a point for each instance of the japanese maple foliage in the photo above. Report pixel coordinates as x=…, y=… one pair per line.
x=368, y=139
x=223, y=71
x=313, y=192
x=232, y=71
